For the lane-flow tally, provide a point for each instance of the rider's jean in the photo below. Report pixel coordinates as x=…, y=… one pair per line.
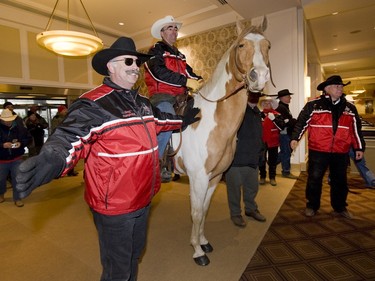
x=164, y=137
x=363, y=170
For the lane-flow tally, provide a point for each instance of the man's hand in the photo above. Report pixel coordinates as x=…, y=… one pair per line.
x=194, y=85
x=38, y=170
x=358, y=155
x=271, y=116
x=190, y=117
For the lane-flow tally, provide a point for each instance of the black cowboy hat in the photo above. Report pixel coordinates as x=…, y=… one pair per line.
x=283, y=93
x=122, y=46
x=332, y=80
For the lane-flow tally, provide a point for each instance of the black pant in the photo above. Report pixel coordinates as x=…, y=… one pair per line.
x=317, y=167
x=271, y=160
x=122, y=239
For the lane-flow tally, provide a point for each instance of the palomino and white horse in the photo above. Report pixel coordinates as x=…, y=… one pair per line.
x=208, y=146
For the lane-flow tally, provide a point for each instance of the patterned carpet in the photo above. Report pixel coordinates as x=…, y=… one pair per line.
x=324, y=247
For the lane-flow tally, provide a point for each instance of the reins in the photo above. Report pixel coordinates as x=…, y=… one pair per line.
x=242, y=86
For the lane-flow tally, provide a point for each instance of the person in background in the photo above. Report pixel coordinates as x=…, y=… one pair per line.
x=13, y=140
x=285, y=153
x=168, y=77
x=10, y=106
x=272, y=123
x=334, y=127
x=62, y=110
x=113, y=128
x=41, y=120
x=37, y=133
x=243, y=172
x=367, y=175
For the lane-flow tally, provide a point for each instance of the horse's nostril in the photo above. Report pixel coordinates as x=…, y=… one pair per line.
x=253, y=75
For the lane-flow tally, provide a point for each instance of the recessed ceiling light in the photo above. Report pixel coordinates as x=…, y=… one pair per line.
x=121, y=23
x=24, y=97
x=335, y=49
x=334, y=13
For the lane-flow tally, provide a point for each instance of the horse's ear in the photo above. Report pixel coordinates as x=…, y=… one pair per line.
x=264, y=23
x=239, y=26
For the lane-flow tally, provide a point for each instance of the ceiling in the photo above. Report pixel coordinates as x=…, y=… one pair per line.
x=343, y=43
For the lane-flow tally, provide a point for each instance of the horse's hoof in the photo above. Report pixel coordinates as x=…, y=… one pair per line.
x=202, y=260
x=207, y=248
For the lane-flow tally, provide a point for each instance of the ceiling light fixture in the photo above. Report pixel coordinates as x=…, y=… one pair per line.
x=67, y=42
x=359, y=90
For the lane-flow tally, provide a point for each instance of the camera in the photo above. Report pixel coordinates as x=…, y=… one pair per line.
x=14, y=145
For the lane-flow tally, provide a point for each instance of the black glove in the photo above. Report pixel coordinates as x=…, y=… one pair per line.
x=190, y=117
x=38, y=170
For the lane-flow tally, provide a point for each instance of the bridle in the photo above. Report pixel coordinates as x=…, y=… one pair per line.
x=243, y=85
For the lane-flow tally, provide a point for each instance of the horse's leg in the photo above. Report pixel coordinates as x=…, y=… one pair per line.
x=198, y=192
x=205, y=245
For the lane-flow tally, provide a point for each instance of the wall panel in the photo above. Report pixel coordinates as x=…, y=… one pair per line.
x=43, y=65
x=10, y=52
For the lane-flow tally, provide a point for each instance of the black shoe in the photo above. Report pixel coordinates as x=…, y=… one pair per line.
x=238, y=220
x=176, y=177
x=256, y=215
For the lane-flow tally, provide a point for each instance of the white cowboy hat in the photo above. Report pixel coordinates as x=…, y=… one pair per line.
x=273, y=101
x=159, y=24
x=7, y=115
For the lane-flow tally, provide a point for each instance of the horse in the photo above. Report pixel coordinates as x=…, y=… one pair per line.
x=206, y=148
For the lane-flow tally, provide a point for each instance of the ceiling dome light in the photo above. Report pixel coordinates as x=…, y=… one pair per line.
x=67, y=42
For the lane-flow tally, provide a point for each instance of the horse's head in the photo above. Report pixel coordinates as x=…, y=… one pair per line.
x=249, y=61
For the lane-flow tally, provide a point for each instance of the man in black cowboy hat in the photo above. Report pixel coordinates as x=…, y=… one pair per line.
x=334, y=127
x=285, y=153
x=114, y=129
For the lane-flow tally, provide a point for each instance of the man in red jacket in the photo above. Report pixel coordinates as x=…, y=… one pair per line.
x=167, y=76
x=114, y=129
x=333, y=126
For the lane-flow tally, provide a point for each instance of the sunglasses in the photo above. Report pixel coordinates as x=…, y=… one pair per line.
x=130, y=61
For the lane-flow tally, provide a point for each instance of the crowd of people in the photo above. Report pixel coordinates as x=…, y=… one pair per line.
x=121, y=133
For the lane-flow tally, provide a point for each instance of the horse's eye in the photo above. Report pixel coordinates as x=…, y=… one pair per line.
x=241, y=45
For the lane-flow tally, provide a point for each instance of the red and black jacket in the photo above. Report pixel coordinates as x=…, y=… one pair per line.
x=332, y=128
x=167, y=71
x=114, y=130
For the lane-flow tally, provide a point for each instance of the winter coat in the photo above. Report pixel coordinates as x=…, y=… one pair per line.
x=271, y=128
x=114, y=130
x=16, y=132
x=332, y=128
x=167, y=71
x=250, y=147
